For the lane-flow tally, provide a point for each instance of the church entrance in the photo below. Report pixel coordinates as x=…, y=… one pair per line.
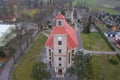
x=60, y=71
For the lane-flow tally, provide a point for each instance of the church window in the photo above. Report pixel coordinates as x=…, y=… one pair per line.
x=59, y=38
x=69, y=57
x=59, y=64
x=72, y=54
x=59, y=42
x=59, y=23
x=49, y=50
x=49, y=54
x=59, y=50
x=52, y=57
x=59, y=58
x=72, y=51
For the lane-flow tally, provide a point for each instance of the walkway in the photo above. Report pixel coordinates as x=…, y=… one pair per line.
x=78, y=34
x=45, y=34
x=96, y=52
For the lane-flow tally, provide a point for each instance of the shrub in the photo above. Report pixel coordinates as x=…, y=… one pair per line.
x=113, y=60
x=68, y=20
x=2, y=54
x=118, y=56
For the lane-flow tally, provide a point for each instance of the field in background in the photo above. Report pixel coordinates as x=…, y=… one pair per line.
x=103, y=5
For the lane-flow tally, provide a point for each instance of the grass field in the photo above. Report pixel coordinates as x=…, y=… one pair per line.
x=94, y=41
x=23, y=70
x=100, y=5
x=101, y=26
x=110, y=10
x=103, y=70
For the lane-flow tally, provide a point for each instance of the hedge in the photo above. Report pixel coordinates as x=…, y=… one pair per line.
x=104, y=37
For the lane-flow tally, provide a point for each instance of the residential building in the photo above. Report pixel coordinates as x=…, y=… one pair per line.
x=6, y=33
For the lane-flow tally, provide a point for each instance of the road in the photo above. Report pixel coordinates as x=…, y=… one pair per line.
x=78, y=30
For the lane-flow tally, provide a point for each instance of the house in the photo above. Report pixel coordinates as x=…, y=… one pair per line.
x=69, y=14
x=61, y=46
x=114, y=28
x=117, y=39
x=6, y=33
x=110, y=34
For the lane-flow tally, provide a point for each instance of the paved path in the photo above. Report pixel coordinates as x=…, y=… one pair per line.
x=96, y=52
x=45, y=34
x=78, y=34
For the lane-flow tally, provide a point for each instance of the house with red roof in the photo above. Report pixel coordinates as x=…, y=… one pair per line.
x=61, y=46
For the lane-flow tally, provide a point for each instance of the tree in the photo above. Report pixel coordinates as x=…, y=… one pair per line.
x=39, y=71
x=82, y=67
x=87, y=28
x=11, y=4
x=63, y=12
x=2, y=53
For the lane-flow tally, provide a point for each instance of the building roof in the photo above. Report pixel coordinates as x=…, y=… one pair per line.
x=6, y=30
x=3, y=28
x=59, y=16
x=117, y=37
x=72, y=41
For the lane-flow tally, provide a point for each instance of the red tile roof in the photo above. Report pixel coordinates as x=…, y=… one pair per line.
x=59, y=16
x=72, y=41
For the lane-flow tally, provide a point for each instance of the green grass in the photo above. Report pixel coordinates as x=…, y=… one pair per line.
x=103, y=70
x=23, y=70
x=94, y=41
x=100, y=26
x=110, y=10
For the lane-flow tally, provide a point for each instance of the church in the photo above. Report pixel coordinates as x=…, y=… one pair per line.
x=61, y=46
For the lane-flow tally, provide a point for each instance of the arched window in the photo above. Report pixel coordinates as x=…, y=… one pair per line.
x=60, y=59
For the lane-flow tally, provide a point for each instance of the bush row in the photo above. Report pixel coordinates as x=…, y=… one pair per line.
x=113, y=60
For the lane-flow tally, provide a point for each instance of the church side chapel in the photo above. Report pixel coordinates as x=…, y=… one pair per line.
x=61, y=46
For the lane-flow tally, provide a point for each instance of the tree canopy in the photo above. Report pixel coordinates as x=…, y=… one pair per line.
x=82, y=66
x=39, y=71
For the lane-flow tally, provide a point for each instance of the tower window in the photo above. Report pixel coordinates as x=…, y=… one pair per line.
x=72, y=59
x=72, y=54
x=59, y=50
x=59, y=42
x=69, y=57
x=50, y=58
x=72, y=51
x=59, y=58
x=59, y=38
x=59, y=23
x=49, y=50
x=59, y=64
x=49, y=54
